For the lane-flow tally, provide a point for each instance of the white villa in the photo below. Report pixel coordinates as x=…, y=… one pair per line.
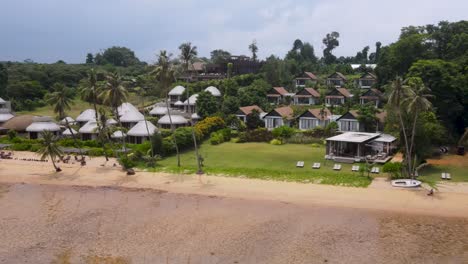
x=213, y=90
x=89, y=131
x=41, y=124
x=176, y=94
x=129, y=115
x=313, y=118
x=307, y=96
x=158, y=111
x=141, y=132
x=85, y=116
x=337, y=96
x=177, y=121
x=67, y=120
x=247, y=110
x=349, y=122
x=191, y=103
x=281, y=116
x=69, y=132
x=5, y=111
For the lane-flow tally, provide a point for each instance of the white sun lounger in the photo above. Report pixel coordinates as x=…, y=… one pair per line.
x=443, y=176
x=337, y=167
x=446, y=176
x=316, y=165
x=355, y=168
x=300, y=164
x=375, y=170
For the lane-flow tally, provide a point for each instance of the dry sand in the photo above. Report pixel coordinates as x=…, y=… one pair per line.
x=97, y=214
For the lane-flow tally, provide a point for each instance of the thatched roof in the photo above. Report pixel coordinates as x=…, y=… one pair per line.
x=192, y=100
x=2, y=101
x=41, y=124
x=141, y=129
x=86, y=115
x=5, y=117
x=118, y=134
x=176, y=120
x=178, y=90
x=213, y=90
x=158, y=110
x=129, y=113
x=64, y=121
x=111, y=122
x=68, y=132
x=19, y=123
x=90, y=127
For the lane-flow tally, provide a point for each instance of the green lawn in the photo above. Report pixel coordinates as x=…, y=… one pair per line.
x=265, y=161
x=457, y=166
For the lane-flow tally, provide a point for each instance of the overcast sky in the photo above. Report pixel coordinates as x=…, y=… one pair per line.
x=50, y=30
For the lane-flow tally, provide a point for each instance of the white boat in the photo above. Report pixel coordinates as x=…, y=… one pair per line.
x=406, y=183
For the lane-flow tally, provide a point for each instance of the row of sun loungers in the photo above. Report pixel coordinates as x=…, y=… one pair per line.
x=38, y=160
x=337, y=167
x=446, y=176
x=4, y=155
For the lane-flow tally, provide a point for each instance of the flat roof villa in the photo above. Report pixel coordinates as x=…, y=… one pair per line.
x=351, y=147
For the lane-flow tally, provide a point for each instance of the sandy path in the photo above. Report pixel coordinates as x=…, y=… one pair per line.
x=452, y=201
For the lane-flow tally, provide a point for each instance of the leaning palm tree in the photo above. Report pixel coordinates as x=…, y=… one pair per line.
x=115, y=94
x=165, y=75
x=417, y=103
x=400, y=91
x=49, y=148
x=61, y=99
x=187, y=55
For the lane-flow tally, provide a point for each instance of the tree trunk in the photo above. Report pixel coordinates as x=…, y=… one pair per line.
x=75, y=140
x=99, y=124
x=413, y=132
x=173, y=130
x=57, y=169
x=200, y=171
x=120, y=125
x=146, y=124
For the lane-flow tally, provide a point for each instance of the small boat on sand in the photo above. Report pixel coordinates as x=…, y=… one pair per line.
x=406, y=183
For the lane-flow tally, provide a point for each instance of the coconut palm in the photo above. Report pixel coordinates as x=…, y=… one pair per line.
x=416, y=103
x=61, y=99
x=114, y=94
x=49, y=148
x=165, y=75
x=399, y=91
x=187, y=55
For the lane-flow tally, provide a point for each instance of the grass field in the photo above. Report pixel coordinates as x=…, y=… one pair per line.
x=265, y=161
x=456, y=165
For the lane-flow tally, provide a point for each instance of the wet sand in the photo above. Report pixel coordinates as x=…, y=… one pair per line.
x=78, y=224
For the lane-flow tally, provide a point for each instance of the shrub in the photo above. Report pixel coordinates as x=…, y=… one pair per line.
x=257, y=135
x=165, y=133
x=303, y=138
x=283, y=132
x=89, y=143
x=216, y=138
x=184, y=137
x=126, y=162
x=225, y=133
x=168, y=147
x=95, y=152
x=316, y=145
x=35, y=147
x=21, y=147
x=157, y=141
x=276, y=142
x=144, y=148
x=209, y=125
x=393, y=169
x=12, y=134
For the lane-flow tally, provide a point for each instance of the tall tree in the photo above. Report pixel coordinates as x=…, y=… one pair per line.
x=254, y=49
x=118, y=56
x=89, y=58
x=220, y=56
x=3, y=79
x=115, y=94
x=49, y=148
x=165, y=75
x=331, y=42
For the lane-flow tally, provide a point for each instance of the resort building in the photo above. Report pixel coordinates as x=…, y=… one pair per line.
x=349, y=122
x=313, y=118
x=129, y=115
x=85, y=116
x=190, y=105
x=158, y=111
x=176, y=94
x=69, y=132
x=352, y=147
x=281, y=116
x=277, y=95
x=41, y=124
x=141, y=132
x=5, y=111
x=19, y=124
x=306, y=77
x=177, y=121
x=213, y=90
x=67, y=121
x=117, y=135
x=337, y=96
x=366, y=81
x=247, y=110
x=337, y=80
x=307, y=96
x=373, y=96
x=89, y=131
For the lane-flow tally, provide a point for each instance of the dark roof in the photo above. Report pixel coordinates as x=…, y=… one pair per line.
x=368, y=75
x=278, y=90
x=307, y=92
x=310, y=75
x=338, y=75
x=247, y=110
x=285, y=112
x=316, y=113
x=371, y=93
x=351, y=114
x=339, y=92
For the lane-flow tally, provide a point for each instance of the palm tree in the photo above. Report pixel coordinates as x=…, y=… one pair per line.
x=89, y=93
x=49, y=148
x=417, y=103
x=165, y=75
x=254, y=49
x=115, y=94
x=187, y=55
x=398, y=93
x=61, y=99
x=141, y=93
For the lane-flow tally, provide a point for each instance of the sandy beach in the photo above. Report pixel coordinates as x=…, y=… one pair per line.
x=95, y=214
